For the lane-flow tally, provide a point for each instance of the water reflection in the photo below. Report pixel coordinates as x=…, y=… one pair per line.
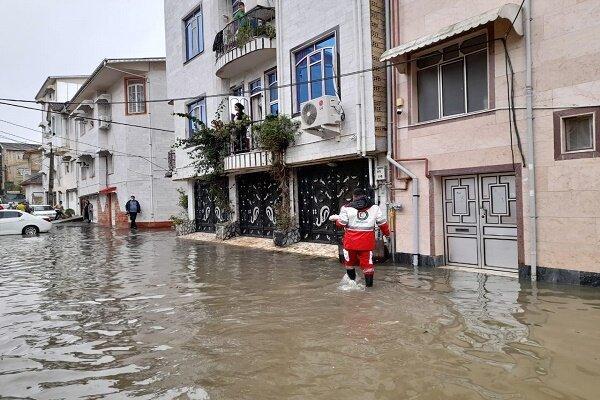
x=88, y=312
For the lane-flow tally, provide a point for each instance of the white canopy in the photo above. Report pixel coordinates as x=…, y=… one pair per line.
x=508, y=11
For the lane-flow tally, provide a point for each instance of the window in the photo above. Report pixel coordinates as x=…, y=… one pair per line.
x=91, y=169
x=576, y=133
x=315, y=70
x=67, y=167
x=194, y=35
x=10, y=214
x=197, y=110
x=80, y=127
x=256, y=100
x=136, y=96
x=272, y=92
x=110, y=165
x=453, y=80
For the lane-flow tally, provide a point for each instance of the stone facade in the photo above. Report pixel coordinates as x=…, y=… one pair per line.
x=565, y=75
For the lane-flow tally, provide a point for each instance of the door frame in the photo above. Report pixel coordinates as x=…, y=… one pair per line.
x=436, y=177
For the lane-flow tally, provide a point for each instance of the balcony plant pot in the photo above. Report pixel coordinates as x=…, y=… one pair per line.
x=227, y=230
x=286, y=237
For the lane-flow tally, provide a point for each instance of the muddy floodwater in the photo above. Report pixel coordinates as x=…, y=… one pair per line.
x=92, y=313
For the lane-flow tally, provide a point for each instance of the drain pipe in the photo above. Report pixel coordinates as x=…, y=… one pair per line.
x=390, y=158
x=530, y=142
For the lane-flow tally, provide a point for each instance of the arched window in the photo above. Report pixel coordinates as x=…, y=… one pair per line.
x=315, y=71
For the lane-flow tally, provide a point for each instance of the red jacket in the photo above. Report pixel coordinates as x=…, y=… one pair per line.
x=359, y=225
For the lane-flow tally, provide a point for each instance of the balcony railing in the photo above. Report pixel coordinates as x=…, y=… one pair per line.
x=258, y=22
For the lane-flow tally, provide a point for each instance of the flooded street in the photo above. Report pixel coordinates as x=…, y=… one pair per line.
x=87, y=312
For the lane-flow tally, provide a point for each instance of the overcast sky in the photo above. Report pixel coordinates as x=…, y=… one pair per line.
x=39, y=38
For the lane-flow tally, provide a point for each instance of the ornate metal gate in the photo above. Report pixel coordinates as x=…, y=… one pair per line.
x=257, y=194
x=323, y=189
x=207, y=213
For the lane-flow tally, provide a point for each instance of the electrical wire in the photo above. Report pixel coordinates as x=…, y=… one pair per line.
x=87, y=144
x=512, y=23
x=86, y=118
x=384, y=65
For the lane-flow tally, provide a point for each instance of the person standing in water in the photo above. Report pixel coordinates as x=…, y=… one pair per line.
x=359, y=219
x=133, y=208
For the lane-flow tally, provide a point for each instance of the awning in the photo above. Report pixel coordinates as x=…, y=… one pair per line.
x=107, y=190
x=508, y=11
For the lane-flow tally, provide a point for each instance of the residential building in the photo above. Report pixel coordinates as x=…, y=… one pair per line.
x=17, y=162
x=33, y=188
x=59, y=145
x=282, y=57
x=489, y=198
x=119, y=143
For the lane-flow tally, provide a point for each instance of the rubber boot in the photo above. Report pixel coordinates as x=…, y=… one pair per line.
x=351, y=274
x=369, y=280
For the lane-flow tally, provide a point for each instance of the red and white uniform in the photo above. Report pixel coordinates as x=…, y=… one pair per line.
x=359, y=237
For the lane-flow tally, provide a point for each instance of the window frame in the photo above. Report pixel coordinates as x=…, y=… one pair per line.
x=198, y=10
x=336, y=66
x=189, y=107
x=269, y=102
x=136, y=81
x=490, y=67
x=255, y=94
x=559, y=117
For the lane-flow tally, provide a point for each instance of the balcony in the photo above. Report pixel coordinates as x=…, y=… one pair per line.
x=245, y=155
x=245, y=42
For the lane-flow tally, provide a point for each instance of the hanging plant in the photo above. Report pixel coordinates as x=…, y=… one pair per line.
x=208, y=146
x=275, y=134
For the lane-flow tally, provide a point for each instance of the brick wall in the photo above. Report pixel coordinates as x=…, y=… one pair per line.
x=377, y=15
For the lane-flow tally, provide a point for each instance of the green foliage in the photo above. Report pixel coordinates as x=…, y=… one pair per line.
x=247, y=31
x=275, y=134
x=208, y=146
x=183, y=199
x=69, y=212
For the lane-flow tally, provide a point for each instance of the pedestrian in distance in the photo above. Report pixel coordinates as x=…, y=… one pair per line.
x=133, y=208
x=60, y=210
x=359, y=219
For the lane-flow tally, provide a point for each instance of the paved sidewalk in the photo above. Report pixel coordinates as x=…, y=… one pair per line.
x=308, y=249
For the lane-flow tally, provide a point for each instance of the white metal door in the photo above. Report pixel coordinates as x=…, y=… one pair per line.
x=480, y=221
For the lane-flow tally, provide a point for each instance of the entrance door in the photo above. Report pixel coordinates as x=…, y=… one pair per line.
x=257, y=194
x=480, y=221
x=322, y=190
x=207, y=212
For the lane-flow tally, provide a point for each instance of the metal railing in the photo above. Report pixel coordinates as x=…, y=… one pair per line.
x=258, y=22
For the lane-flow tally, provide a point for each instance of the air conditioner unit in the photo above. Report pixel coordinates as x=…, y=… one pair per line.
x=321, y=116
x=104, y=122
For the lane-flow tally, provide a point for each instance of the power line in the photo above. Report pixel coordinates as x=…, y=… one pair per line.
x=87, y=118
x=87, y=144
x=383, y=65
x=512, y=24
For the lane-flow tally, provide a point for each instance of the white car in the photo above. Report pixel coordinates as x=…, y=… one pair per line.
x=15, y=222
x=45, y=211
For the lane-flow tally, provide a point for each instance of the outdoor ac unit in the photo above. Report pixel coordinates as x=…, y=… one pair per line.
x=250, y=4
x=321, y=116
x=104, y=122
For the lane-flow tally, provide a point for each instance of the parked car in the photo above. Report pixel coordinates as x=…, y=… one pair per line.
x=15, y=222
x=45, y=211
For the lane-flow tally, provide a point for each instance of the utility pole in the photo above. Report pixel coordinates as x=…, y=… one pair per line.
x=51, y=177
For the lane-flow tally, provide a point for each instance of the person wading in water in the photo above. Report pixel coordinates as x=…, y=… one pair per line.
x=359, y=220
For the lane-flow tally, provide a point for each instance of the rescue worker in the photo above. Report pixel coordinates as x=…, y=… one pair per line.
x=359, y=220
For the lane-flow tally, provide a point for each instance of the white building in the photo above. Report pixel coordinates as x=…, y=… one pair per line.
x=116, y=144
x=55, y=91
x=270, y=55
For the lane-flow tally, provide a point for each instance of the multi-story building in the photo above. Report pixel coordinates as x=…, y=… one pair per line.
x=109, y=142
x=282, y=57
x=18, y=161
x=496, y=191
x=54, y=93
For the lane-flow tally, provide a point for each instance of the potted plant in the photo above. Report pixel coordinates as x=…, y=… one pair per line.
x=275, y=134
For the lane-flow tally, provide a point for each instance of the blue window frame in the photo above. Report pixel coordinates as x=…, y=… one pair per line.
x=315, y=70
x=194, y=35
x=196, y=109
x=273, y=100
